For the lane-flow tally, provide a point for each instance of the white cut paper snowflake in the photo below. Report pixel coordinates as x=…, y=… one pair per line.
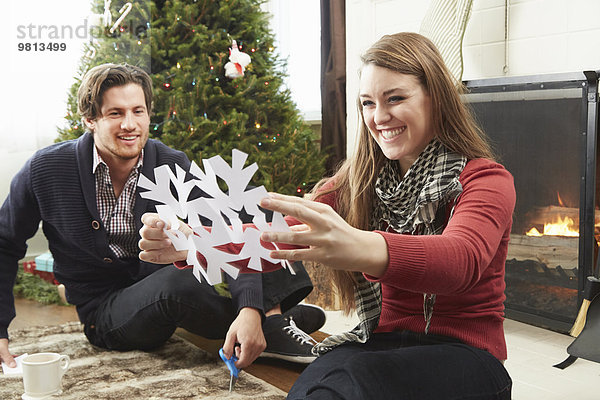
x=216, y=207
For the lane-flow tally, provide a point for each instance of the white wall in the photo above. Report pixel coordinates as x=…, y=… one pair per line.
x=297, y=29
x=35, y=83
x=544, y=36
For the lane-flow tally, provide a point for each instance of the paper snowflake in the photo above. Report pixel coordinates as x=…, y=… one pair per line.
x=221, y=208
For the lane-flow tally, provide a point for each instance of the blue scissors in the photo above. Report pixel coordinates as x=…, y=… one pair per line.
x=234, y=371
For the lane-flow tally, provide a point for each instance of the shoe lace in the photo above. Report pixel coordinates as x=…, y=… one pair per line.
x=298, y=334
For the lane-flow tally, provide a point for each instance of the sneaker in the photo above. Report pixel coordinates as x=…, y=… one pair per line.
x=308, y=317
x=286, y=341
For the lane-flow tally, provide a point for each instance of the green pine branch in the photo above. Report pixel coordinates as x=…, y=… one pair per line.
x=35, y=288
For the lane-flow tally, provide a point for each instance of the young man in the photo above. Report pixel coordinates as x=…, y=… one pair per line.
x=85, y=193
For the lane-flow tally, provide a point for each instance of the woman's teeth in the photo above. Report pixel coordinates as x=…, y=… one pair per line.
x=390, y=133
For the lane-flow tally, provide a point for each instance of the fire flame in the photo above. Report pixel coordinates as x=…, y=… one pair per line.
x=560, y=202
x=561, y=227
x=564, y=226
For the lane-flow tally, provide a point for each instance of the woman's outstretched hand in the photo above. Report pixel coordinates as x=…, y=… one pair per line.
x=325, y=237
x=155, y=244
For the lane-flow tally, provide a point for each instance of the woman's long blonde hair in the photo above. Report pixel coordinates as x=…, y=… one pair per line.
x=410, y=54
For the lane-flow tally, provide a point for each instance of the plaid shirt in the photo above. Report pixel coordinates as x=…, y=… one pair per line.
x=117, y=213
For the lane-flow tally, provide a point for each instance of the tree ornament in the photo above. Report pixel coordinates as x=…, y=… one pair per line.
x=237, y=62
x=107, y=17
x=166, y=86
x=123, y=11
x=100, y=21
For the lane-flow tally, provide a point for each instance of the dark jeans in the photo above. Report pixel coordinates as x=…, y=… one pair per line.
x=404, y=365
x=144, y=315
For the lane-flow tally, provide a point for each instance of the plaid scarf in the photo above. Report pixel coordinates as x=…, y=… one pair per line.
x=414, y=204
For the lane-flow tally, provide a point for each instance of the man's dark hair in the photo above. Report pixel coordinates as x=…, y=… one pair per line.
x=103, y=77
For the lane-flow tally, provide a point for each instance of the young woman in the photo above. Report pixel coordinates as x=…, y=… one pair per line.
x=415, y=228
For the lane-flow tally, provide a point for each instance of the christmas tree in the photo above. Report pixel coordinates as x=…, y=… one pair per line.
x=205, y=104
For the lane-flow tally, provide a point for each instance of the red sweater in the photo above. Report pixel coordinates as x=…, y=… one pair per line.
x=464, y=265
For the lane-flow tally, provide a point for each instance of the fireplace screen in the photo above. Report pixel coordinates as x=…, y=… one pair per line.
x=543, y=129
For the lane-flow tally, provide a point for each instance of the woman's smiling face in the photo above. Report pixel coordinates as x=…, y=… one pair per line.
x=397, y=111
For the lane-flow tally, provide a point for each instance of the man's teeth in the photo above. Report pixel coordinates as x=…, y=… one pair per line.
x=128, y=137
x=390, y=133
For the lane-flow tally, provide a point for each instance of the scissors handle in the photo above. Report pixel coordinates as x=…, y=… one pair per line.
x=230, y=362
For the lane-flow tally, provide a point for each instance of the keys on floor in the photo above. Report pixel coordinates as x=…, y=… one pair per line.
x=233, y=370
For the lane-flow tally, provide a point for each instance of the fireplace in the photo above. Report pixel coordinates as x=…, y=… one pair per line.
x=544, y=130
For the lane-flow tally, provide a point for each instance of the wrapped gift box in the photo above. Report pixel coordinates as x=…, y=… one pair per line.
x=44, y=262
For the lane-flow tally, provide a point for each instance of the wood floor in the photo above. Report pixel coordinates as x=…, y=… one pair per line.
x=281, y=374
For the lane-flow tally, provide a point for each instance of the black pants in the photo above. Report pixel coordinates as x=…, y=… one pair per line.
x=144, y=315
x=404, y=365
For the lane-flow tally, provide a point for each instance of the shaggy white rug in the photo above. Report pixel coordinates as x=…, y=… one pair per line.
x=177, y=370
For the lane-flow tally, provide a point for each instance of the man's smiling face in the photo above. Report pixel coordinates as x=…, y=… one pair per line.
x=121, y=131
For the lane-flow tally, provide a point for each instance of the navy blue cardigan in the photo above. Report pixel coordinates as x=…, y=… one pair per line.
x=56, y=186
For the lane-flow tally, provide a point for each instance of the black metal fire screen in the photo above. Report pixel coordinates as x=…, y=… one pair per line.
x=544, y=130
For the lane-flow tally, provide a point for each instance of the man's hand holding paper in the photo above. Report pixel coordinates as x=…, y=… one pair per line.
x=155, y=244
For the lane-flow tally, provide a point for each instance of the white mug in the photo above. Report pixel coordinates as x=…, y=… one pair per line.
x=43, y=372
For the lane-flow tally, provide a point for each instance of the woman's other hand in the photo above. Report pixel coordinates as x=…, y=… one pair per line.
x=325, y=237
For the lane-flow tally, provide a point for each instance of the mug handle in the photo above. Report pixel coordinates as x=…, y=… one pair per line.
x=64, y=362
